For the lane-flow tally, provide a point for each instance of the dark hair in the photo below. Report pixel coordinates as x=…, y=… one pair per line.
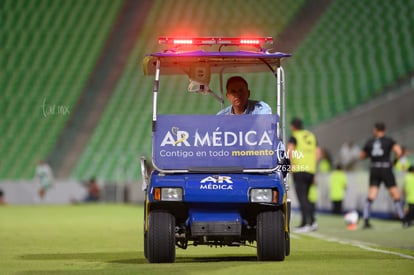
x=380, y=126
x=236, y=79
x=411, y=168
x=297, y=123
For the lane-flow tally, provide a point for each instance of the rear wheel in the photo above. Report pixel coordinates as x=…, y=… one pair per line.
x=161, y=237
x=270, y=236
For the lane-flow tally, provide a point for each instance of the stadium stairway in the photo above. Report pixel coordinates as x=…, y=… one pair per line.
x=304, y=21
x=87, y=111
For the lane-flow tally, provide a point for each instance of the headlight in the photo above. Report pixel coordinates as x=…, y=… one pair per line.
x=264, y=195
x=261, y=195
x=168, y=194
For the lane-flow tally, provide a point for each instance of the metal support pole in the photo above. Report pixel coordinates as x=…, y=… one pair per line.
x=278, y=95
x=155, y=95
x=282, y=75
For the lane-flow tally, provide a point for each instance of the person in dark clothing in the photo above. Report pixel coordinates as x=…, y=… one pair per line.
x=337, y=188
x=2, y=200
x=94, y=192
x=379, y=149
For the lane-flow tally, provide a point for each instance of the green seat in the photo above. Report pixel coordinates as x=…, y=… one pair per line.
x=49, y=51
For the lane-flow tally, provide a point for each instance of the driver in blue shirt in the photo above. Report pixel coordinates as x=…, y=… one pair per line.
x=238, y=94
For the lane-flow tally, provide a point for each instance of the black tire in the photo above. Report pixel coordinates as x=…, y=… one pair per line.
x=270, y=236
x=161, y=237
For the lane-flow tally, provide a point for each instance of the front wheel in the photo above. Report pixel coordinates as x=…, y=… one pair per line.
x=161, y=237
x=270, y=236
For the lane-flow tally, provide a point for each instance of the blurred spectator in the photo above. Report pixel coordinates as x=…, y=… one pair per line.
x=409, y=197
x=94, y=192
x=348, y=155
x=403, y=162
x=44, y=177
x=2, y=199
x=325, y=161
x=337, y=187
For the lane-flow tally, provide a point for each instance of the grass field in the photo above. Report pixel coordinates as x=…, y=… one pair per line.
x=107, y=239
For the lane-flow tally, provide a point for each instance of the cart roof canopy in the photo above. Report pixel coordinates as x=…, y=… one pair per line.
x=219, y=62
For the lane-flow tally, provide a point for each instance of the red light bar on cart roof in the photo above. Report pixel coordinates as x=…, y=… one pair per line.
x=229, y=41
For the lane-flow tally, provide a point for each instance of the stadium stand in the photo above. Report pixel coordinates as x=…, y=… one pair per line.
x=48, y=50
x=98, y=90
x=352, y=54
x=355, y=51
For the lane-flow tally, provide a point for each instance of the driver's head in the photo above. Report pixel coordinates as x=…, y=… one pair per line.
x=238, y=93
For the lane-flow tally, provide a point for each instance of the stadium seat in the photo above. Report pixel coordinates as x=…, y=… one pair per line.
x=49, y=50
x=355, y=51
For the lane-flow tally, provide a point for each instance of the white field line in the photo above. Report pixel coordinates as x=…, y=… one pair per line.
x=356, y=244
